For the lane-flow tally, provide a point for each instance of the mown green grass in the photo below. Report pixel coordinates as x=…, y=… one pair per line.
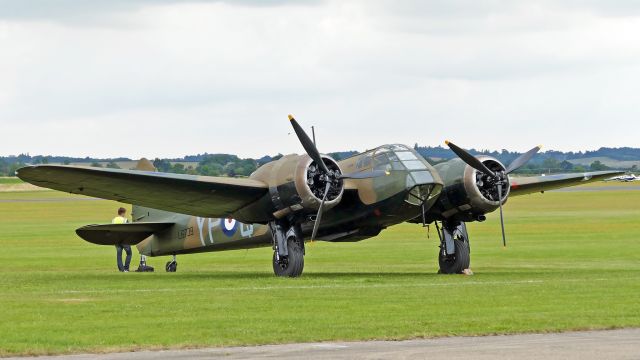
x=10, y=180
x=573, y=262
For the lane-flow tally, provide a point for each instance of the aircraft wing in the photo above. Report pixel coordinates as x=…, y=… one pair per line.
x=204, y=196
x=533, y=184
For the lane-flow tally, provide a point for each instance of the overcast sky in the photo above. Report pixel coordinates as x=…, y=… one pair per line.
x=168, y=78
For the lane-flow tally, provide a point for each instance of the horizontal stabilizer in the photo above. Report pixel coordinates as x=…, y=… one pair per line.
x=123, y=234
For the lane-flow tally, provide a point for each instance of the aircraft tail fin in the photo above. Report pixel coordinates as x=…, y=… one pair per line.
x=138, y=211
x=121, y=234
x=145, y=165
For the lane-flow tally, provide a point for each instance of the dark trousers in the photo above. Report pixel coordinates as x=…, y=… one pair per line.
x=127, y=261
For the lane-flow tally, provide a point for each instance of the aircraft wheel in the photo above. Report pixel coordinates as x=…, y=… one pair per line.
x=456, y=263
x=171, y=266
x=294, y=264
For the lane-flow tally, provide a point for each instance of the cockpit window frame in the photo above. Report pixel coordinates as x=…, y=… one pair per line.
x=395, y=158
x=365, y=162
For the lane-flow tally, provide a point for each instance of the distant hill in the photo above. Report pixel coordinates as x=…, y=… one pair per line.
x=231, y=165
x=612, y=163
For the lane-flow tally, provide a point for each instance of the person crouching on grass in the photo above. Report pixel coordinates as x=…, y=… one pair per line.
x=122, y=219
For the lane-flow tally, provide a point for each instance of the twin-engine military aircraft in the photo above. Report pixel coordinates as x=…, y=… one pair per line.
x=303, y=197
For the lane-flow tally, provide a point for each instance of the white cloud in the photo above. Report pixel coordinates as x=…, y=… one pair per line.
x=160, y=78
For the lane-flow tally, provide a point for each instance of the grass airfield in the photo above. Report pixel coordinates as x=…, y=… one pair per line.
x=572, y=263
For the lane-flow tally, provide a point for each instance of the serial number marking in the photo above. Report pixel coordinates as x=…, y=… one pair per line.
x=185, y=232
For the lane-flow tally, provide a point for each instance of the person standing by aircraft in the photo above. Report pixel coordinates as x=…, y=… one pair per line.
x=122, y=219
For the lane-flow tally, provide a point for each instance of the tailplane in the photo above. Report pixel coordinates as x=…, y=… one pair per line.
x=120, y=234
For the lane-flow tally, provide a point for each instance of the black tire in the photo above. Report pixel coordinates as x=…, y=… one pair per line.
x=456, y=263
x=171, y=266
x=294, y=263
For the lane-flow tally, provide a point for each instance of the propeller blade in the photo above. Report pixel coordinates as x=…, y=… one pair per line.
x=470, y=159
x=504, y=238
x=522, y=159
x=319, y=215
x=308, y=145
x=364, y=175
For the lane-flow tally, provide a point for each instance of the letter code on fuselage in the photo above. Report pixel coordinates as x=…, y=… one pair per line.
x=228, y=227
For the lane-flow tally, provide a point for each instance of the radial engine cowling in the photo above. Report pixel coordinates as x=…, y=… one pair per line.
x=297, y=185
x=468, y=194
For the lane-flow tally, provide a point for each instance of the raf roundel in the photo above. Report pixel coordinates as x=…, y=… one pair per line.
x=229, y=226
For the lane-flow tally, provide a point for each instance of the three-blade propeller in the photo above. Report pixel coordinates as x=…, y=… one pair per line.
x=498, y=178
x=330, y=176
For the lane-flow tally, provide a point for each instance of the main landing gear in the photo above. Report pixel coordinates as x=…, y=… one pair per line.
x=171, y=266
x=288, y=249
x=453, y=256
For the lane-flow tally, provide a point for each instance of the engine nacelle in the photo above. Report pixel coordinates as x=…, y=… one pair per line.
x=297, y=185
x=468, y=194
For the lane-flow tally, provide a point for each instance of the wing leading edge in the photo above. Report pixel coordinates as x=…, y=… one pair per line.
x=533, y=184
x=204, y=196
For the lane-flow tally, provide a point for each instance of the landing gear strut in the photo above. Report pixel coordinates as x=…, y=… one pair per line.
x=453, y=256
x=288, y=249
x=143, y=267
x=171, y=266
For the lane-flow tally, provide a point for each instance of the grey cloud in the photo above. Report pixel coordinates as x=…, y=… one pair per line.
x=83, y=13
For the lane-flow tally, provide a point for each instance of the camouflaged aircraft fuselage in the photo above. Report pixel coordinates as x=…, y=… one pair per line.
x=368, y=205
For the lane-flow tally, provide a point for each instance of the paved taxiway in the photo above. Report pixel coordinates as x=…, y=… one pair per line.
x=585, y=345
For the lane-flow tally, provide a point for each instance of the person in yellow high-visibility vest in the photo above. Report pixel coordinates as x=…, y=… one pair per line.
x=122, y=219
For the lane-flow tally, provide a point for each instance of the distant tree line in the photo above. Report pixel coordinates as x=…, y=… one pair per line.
x=232, y=165
x=211, y=165
x=620, y=154
x=544, y=162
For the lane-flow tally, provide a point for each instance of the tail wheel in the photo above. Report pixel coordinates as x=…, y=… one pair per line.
x=293, y=264
x=458, y=262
